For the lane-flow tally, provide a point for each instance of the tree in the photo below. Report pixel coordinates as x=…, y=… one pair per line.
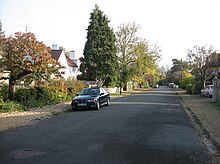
x=179, y=65
x=136, y=57
x=126, y=39
x=175, y=74
x=145, y=62
x=1, y=32
x=163, y=71
x=25, y=58
x=187, y=79
x=198, y=59
x=100, y=61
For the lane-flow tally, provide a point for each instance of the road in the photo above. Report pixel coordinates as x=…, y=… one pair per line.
x=147, y=127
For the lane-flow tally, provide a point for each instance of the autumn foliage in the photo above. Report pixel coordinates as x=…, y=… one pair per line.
x=25, y=58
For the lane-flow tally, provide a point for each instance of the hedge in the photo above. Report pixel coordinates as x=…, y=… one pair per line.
x=39, y=96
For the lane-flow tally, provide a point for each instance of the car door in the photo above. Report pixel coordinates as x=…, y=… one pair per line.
x=206, y=90
x=106, y=95
x=103, y=95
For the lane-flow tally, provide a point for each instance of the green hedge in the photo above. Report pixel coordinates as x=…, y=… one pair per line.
x=39, y=96
x=189, y=89
x=43, y=95
x=4, y=93
x=11, y=107
x=194, y=88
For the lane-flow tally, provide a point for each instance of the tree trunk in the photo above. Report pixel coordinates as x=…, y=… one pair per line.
x=11, y=89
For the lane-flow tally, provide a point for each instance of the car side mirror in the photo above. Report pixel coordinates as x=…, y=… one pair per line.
x=77, y=94
x=101, y=94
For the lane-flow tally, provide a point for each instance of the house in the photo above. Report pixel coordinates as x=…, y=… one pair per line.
x=70, y=70
x=69, y=62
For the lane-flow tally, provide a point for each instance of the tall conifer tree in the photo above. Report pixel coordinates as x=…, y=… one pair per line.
x=1, y=31
x=100, y=61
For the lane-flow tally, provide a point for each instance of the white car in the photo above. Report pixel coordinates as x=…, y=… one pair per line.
x=207, y=91
x=156, y=86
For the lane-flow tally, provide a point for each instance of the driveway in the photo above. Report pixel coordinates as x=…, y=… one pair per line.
x=148, y=127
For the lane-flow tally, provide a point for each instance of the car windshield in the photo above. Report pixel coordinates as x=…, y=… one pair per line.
x=90, y=91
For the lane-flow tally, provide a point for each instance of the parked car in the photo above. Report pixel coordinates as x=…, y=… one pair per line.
x=207, y=91
x=91, y=98
x=170, y=85
x=176, y=86
x=156, y=86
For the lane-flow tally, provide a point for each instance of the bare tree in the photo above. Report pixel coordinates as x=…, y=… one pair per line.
x=198, y=59
x=126, y=39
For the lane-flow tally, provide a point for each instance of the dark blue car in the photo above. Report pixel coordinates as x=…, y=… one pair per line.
x=91, y=98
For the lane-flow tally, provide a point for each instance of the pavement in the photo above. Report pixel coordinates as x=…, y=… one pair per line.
x=206, y=115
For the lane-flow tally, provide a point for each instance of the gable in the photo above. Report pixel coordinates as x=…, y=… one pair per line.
x=55, y=54
x=71, y=62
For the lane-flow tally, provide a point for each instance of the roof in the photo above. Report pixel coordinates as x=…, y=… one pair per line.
x=56, y=55
x=211, y=76
x=71, y=62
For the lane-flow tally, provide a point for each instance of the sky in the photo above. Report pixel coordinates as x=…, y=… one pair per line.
x=174, y=25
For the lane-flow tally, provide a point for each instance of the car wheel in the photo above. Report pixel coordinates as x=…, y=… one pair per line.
x=209, y=96
x=108, y=102
x=98, y=105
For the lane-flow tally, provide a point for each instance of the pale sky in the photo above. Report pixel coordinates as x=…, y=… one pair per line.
x=174, y=25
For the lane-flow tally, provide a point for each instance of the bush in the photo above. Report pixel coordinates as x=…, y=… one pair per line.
x=1, y=99
x=75, y=85
x=197, y=88
x=187, y=79
x=11, y=107
x=39, y=96
x=71, y=93
x=189, y=88
x=184, y=82
x=4, y=92
x=34, y=97
x=56, y=92
x=194, y=88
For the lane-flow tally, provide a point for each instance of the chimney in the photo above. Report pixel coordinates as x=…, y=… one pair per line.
x=54, y=47
x=72, y=55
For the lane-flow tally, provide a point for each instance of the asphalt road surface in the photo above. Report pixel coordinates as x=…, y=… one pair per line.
x=149, y=128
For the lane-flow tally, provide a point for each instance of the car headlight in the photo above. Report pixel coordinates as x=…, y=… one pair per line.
x=74, y=101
